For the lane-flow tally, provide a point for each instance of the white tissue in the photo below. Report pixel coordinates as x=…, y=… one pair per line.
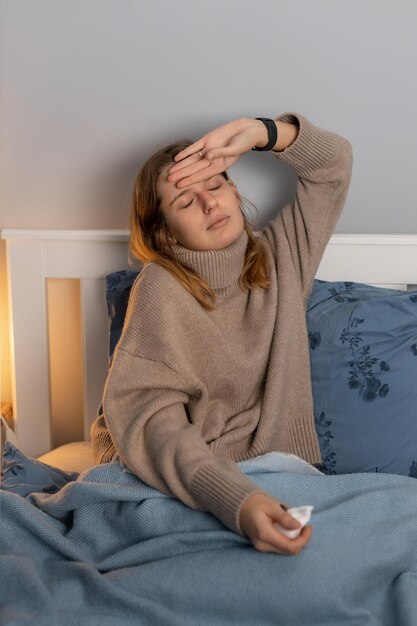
x=302, y=514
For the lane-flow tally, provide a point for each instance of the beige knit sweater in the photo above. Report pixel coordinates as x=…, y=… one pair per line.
x=191, y=391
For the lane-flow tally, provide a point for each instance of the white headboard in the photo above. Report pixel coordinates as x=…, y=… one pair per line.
x=33, y=256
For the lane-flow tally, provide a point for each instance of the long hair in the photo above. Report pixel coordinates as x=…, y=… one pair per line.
x=149, y=232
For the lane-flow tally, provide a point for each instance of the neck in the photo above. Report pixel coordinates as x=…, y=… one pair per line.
x=220, y=269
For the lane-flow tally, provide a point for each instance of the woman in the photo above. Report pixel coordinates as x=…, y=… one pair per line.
x=213, y=363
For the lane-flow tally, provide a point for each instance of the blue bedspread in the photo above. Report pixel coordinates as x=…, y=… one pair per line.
x=109, y=550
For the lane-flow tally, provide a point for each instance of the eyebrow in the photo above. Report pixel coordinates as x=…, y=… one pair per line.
x=178, y=196
x=186, y=190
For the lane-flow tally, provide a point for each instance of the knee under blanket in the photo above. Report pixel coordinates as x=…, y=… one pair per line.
x=108, y=550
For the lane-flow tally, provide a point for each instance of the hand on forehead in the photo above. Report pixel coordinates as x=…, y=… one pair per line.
x=194, y=168
x=215, y=152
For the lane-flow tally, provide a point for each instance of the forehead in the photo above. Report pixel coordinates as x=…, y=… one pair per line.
x=168, y=190
x=163, y=176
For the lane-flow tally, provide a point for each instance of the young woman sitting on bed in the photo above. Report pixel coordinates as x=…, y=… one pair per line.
x=213, y=364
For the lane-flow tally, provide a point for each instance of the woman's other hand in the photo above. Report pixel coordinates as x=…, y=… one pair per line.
x=217, y=151
x=257, y=517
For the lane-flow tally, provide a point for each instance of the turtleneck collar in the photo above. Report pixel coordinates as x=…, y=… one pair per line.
x=219, y=268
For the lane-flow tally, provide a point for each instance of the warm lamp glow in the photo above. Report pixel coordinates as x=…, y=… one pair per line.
x=5, y=366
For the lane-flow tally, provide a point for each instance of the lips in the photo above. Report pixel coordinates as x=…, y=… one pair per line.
x=219, y=221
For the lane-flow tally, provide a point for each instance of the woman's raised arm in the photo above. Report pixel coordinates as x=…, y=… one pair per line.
x=219, y=149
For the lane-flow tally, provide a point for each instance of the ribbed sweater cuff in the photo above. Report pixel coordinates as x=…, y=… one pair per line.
x=312, y=149
x=303, y=439
x=222, y=495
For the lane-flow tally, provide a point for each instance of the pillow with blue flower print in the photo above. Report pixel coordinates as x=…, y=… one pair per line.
x=23, y=475
x=118, y=286
x=363, y=354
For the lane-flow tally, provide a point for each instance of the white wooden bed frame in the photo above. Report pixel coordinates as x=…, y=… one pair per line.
x=34, y=256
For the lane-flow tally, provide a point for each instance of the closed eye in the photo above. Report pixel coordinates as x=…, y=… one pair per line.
x=184, y=206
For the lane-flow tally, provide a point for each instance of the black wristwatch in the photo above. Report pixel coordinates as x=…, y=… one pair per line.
x=271, y=127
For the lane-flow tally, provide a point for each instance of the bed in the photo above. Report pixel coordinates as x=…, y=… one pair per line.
x=104, y=548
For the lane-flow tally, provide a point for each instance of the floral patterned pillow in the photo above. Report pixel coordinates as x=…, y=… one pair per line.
x=118, y=286
x=363, y=353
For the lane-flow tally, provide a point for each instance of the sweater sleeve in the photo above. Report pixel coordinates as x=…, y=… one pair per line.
x=299, y=234
x=145, y=408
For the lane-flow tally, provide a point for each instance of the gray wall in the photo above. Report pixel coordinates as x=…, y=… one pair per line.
x=89, y=88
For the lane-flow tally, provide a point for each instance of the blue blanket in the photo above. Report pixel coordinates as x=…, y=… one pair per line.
x=108, y=550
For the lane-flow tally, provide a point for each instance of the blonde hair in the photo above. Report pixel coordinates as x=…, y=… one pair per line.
x=149, y=234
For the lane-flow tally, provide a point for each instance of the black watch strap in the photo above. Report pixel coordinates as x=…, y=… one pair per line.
x=271, y=127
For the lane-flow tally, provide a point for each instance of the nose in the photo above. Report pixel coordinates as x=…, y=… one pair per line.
x=209, y=202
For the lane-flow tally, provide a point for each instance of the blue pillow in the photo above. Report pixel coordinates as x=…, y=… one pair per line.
x=363, y=353
x=23, y=475
x=118, y=286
